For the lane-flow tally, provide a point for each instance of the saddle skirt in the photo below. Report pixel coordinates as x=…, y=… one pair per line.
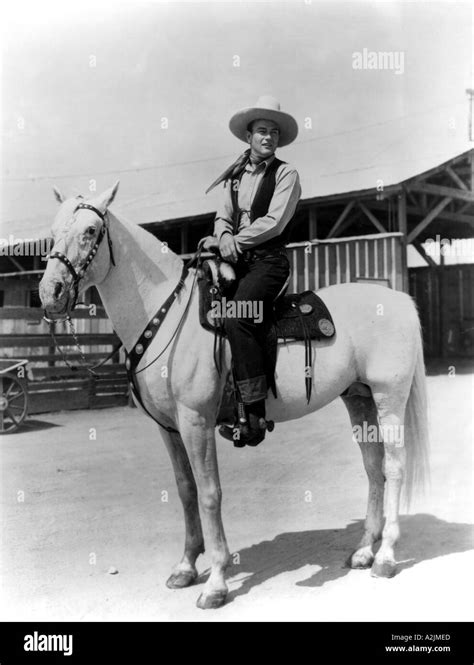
x=296, y=316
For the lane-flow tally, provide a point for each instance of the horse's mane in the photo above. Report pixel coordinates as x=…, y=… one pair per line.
x=155, y=250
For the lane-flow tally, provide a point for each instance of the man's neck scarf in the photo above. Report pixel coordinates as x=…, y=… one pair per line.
x=234, y=171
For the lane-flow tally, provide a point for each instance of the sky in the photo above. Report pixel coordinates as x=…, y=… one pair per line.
x=143, y=92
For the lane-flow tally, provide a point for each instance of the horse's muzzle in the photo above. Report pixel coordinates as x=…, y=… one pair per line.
x=56, y=300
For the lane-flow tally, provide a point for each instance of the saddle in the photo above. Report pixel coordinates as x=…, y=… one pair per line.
x=297, y=316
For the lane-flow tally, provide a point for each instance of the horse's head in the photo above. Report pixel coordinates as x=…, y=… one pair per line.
x=82, y=252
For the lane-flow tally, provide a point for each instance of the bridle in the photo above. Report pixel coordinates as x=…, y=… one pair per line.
x=147, y=336
x=79, y=274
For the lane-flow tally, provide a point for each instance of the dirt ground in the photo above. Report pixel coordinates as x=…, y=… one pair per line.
x=75, y=509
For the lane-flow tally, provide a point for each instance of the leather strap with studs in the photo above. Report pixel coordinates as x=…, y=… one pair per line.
x=79, y=274
x=147, y=336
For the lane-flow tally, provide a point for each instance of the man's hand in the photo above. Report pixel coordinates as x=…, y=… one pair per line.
x=228, y=248
x=209, y=244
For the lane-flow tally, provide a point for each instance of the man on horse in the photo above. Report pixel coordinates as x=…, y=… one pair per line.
x=251, y=229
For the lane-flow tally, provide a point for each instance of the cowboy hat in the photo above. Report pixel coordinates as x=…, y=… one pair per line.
x=266, y=108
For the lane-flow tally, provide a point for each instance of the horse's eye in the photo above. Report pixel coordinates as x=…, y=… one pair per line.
x=90, y=231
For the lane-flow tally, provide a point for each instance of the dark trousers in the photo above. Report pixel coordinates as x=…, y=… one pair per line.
x=260, y=278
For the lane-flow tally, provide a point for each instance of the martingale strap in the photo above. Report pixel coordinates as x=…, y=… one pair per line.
x=144, y=341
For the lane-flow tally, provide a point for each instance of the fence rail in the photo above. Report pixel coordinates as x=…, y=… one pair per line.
x=53, y=386
x=373, y=258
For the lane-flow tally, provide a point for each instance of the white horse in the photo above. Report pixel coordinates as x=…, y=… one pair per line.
x=376, y=356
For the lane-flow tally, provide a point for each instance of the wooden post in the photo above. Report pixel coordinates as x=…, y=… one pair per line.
x=442, y=306
x=471, y=161
x=312, y=224
x=184, y=239
x=402, y=227
x=52, y=348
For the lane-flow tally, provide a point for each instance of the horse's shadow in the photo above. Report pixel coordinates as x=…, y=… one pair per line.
x=423, y=537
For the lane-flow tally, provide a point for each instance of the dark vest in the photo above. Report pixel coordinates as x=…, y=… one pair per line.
x=260, y=205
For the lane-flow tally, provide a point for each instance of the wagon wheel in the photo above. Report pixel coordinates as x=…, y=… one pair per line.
x=13, y=403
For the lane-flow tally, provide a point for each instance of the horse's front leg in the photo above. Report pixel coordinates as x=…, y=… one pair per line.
x=185, y=572
x=198, y=434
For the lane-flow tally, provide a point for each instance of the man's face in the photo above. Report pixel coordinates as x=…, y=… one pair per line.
x=263, y=138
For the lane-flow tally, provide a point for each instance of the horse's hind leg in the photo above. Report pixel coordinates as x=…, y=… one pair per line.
x=391, y=402
x=363, y=415
x=185, y=572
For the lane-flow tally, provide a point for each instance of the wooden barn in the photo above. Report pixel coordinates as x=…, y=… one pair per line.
x=365, y=235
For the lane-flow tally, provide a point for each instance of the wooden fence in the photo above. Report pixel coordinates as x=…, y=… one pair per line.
x=52, y=385
x=375, y=258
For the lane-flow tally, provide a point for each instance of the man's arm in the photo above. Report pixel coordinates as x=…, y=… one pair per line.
x=281, y=210
x=223, y=222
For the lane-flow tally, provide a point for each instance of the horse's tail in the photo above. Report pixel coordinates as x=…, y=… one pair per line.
x=416, y=431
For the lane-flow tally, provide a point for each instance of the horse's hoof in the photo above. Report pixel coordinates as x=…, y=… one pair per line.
x=181, y=579
x=384, y=569
x=362, y=558
x=211, y=601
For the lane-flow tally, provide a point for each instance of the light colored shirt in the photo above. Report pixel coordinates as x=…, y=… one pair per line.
x=281, y=209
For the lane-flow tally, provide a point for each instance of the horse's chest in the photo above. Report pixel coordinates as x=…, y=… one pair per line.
x=154, y=387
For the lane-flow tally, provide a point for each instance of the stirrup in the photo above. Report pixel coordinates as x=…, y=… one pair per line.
x=247, y=435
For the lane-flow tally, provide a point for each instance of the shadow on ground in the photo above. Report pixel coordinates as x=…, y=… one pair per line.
x=423, y=537
x=34, y=425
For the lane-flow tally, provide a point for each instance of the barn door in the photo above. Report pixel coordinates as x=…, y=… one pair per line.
x=444, y=296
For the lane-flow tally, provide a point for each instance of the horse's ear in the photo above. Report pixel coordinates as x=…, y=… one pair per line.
x=57, y=195
x=106, y=198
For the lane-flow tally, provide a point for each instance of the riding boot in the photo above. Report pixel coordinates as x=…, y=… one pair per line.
x=249, y=430
x=257, y=425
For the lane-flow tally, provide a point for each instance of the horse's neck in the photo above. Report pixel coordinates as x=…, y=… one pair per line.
x=145, y=272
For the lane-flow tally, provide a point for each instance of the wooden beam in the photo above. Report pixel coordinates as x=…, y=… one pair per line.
x=341, y=219
x=412, y=198
x=454, y=176
x=422, y=252
x=463, y=208
x=16, y=263
x=349, y=221
x=372, y=218
x=429, y=218
x=445, y=215
x=348, y=196
x=441, y=190
x=438, y=169
x=402, y=227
